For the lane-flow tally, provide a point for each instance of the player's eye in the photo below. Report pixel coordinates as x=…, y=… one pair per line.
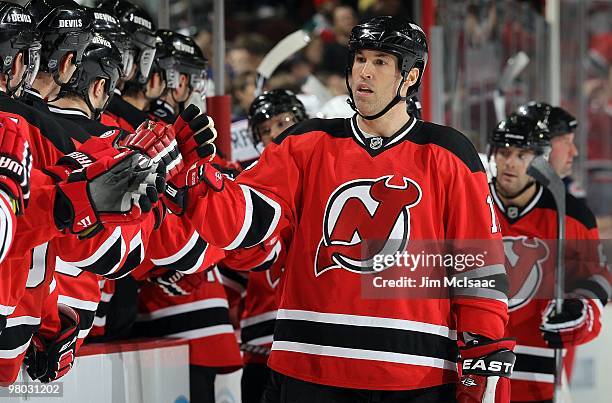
x=360, y=59
x=380, y=62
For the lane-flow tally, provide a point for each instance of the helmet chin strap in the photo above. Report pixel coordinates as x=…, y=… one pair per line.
x=386, y=109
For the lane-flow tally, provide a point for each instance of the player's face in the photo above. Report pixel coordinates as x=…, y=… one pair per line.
x=274, y=126
x=374, y=80
x=562, y=154
x=512, y=163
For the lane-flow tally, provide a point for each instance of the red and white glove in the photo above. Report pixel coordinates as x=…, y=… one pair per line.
x=15, y=164
x=572, y=327
x=87, y=153
x=486, y=367
x=157, y=141
x=113, y=190
x=49, y=360
x=193, y=182
x=176, y=284
x=195, y=134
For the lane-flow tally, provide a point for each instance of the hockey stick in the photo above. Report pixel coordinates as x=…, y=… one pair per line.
x=542, y=172
x=514, y=66
x=279, y=53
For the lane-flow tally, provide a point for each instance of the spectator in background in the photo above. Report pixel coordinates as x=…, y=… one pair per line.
x=335, y=53
x=243, y=93
x=388, y=7
x=247, y=52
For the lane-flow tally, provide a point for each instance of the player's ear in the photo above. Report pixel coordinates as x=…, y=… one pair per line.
x=413, y=76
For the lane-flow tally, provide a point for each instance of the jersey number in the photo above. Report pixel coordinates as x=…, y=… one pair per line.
x=494, y=226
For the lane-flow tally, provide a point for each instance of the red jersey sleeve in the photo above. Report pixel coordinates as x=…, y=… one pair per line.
x=247, y=211
x=471, y=228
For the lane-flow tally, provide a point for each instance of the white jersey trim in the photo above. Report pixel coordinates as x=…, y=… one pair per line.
x=253, y=320
x=204, y=332
x=369, y=321
x=532, y=376
x=183, y=308
x=14, y=353
x=343, y=352
x=77, y=303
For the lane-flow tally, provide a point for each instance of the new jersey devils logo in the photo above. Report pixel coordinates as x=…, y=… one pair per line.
x=372, y=210
x=525, y=258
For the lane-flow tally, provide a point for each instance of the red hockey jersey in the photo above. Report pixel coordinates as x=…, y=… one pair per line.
x=334, y=186
x=530, y=242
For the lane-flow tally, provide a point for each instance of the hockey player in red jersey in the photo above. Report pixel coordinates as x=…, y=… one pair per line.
x=528, y=221
x=62, y=46
x=142, y=86
x=337, y=183
x=182, y=66
x=269, y=115
x=15, y=167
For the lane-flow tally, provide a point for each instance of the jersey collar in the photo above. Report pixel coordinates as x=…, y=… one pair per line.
x=68, y=112
x=375, y=145
x=514, y=213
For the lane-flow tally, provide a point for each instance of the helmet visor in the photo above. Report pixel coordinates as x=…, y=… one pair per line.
x=145, y=61
x=199, y=82
x=127, y=60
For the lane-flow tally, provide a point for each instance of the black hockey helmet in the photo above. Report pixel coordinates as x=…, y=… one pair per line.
x=139, y=24
x=65, y=27
x=179, y=54
x=101, y=59
x=272, y=103
x=108, y=25
x=522, y=132
x=18, y=33
x=394, y=35
x=559, y=121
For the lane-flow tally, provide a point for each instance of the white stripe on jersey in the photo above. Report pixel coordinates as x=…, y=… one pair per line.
x=180, y=254
x=369, y=321
x=532, y=376
x=263, y=317
x=14, y=353
x=343, y=352
x=7, y=225
x=183, y=308
x=77, y=303
x=204, y=332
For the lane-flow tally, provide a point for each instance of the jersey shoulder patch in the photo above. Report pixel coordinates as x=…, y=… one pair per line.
x=333, y=127
x=452, y=140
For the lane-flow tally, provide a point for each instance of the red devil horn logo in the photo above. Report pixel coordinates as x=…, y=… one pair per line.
x=366, y=210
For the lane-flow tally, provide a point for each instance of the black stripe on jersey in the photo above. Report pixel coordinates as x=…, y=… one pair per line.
x=126, y=111
x=233, y=275
x=594, y=287
x=534, y=363
x=107, y=261
x=133, y=259
x=44, y=122
x=257, y=330
x=333, y=127
x=86, y=318
x=16, y=336
x=366, y=338
x=182, y=322
x=262, y=217
x=452, y=140
x=574, y=208
x=189, y=260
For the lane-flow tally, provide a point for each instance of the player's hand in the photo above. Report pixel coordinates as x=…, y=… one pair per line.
x=190, y=184
x=15, y=165
x=49, y=360
x=87, y=153
x=486, y=367
x=176, y=284
x=157, y=141
x=569, y=328
x=113, y=190
x=195, y=134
